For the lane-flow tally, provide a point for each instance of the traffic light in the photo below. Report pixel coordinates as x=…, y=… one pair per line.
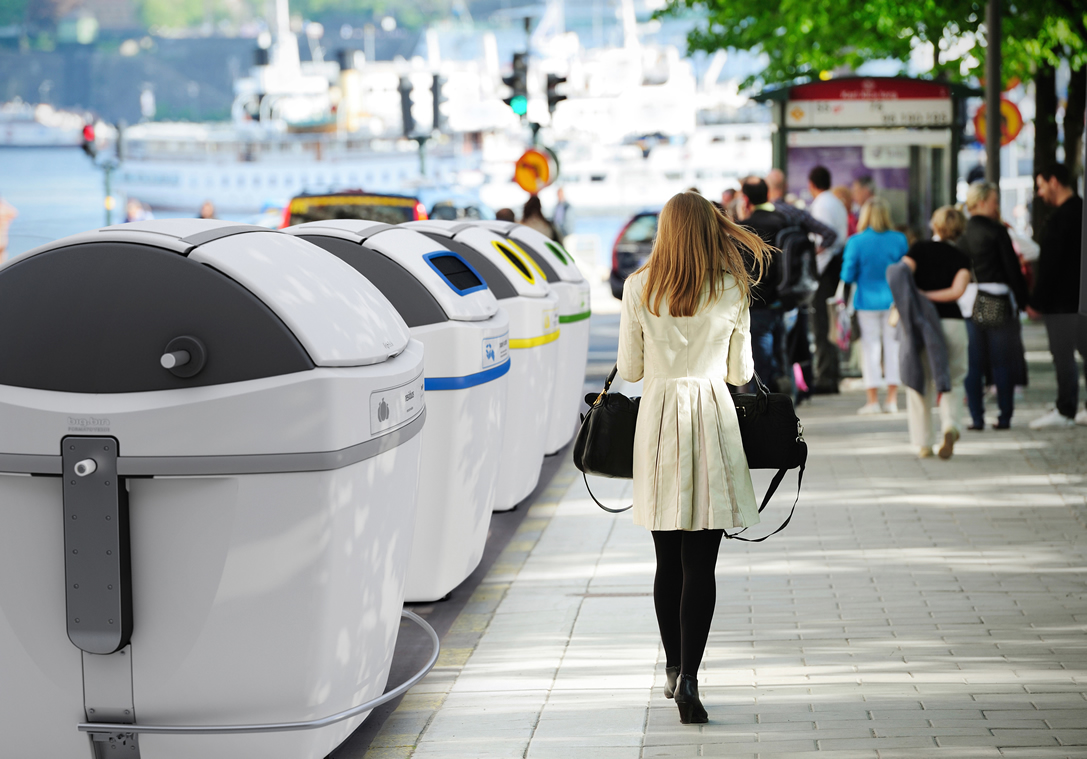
x=89, y=146
x=405, y=106
x=553, y=97
x=518, y=84
x=438, y=99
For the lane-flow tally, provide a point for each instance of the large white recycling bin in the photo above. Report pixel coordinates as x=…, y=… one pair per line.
x=450, y=310
x=522, y=290
x=573, y=290
x=223, y=426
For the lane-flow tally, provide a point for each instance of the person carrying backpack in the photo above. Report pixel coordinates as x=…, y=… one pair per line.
x=767, y=306
x=804, y=239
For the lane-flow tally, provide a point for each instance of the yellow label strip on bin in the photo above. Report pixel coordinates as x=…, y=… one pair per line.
x=532, y=342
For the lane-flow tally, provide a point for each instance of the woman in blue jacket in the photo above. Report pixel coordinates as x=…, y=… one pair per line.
x=864, y=263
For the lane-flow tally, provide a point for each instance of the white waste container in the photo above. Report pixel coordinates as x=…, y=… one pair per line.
x=566, y=281
x=222, y=427
x=522, y=290
x=450, y=310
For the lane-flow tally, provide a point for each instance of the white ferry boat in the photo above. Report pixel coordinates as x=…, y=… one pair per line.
x=23, y=125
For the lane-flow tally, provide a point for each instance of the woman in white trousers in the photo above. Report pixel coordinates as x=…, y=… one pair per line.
x=867, y=255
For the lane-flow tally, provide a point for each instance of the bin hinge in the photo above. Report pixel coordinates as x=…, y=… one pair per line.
x=97, y=566
x=107, y=697
x=115, y=745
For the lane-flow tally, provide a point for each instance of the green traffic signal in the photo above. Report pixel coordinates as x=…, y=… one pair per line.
x=519, y=104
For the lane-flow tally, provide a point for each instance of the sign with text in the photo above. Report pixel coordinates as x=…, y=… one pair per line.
x=862, y=102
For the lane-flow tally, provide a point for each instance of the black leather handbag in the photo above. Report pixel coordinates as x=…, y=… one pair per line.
x=991, y=311
x=773, y=438
x=604, y=445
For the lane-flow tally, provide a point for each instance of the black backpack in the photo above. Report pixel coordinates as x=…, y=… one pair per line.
x=797, y=284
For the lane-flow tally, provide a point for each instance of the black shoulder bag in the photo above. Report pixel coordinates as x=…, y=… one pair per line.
x=604, y=445
x=773, y=439
x=772, y=435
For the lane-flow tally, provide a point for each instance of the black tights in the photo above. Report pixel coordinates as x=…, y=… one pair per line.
x=684, y=593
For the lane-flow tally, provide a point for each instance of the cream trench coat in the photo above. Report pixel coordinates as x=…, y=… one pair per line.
x=690, y=472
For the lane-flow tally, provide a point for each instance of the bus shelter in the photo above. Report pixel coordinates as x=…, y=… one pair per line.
x=903, y=133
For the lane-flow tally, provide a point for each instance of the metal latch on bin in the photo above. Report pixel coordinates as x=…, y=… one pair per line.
x=115, y=745
x=97, y=565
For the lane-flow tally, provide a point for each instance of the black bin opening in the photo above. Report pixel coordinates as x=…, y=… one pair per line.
x=456, y=271
x=516, y=261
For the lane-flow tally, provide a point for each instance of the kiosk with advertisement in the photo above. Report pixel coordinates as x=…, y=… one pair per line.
x=903, y=133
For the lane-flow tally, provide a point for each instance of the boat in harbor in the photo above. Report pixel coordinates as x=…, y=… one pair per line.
x=296, y=127
x=631, y=132
x=24, y=125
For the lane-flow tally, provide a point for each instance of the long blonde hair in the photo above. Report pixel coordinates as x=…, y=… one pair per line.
x=875, y=215
x=697, y=243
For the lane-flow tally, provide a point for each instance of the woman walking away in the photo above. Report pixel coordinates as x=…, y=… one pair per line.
x=996, y=269
x=867, y=255
x=942, y=273
x=532, y=216
x=685, y=327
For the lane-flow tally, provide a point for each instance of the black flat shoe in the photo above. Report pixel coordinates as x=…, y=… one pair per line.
x=975, y=428
x=691, y=711
x=671, y=674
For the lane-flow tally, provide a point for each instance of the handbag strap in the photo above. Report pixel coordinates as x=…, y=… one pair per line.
x=607, y=385
x=770, y=492
x=598, y=503
x=774, y=483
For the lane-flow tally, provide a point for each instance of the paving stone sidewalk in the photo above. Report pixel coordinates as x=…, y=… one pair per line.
x=914, y=608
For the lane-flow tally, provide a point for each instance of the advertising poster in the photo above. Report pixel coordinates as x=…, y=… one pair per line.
x=888, y=165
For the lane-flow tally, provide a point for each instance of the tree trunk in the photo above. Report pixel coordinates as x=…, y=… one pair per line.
x=1073, y=121
x=1045, y=137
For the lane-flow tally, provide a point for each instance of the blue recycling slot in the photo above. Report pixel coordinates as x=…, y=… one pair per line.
x=461, y=277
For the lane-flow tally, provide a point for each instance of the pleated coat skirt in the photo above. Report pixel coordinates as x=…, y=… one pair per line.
x=690, y=472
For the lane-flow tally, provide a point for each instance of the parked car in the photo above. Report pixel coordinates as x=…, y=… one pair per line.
x=452, y=210
x=353, y=204
x=632, y=247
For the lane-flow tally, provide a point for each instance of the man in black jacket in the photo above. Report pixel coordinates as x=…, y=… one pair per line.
x=1056, y=293
x=767, y=325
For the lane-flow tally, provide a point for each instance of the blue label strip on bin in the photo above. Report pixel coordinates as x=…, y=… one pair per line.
x=469, y=380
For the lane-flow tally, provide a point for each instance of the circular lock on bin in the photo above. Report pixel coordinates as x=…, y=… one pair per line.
x=184, y=356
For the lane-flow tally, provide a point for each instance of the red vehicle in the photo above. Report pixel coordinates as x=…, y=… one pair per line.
x=632, y=247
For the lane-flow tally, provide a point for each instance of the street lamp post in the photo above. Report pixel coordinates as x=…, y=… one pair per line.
x=993, y=85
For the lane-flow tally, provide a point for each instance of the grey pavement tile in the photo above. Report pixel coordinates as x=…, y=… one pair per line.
x=538, y=750
x=813, y=753
x=1071, y=737
x=453, y=724
x=1002, y=738
x=479, y=748
x=841, y=744
x=965, y=752
x=667, y=752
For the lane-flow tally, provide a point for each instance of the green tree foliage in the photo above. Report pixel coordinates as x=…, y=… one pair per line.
x=12, y=12
x=410, y=14
x=801, y=38
x=173, y=14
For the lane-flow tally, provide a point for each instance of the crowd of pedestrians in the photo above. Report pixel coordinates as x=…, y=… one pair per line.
x=939, y=316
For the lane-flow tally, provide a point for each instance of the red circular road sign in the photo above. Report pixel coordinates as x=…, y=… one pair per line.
x=1011, y=122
